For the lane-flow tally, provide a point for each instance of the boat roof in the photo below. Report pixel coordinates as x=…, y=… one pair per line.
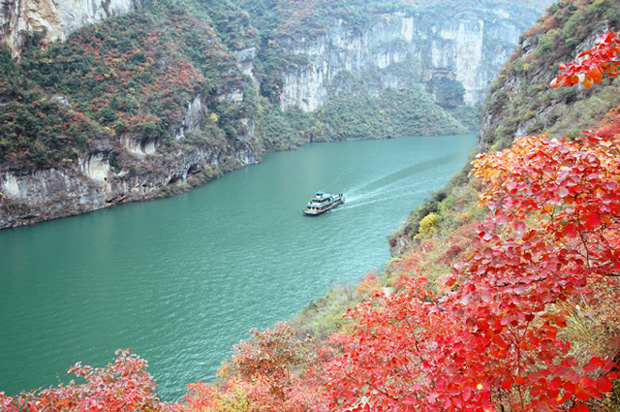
x=321, y=193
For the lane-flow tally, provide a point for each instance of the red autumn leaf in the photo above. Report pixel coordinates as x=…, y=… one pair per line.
x=519, y=226
x=501, y=217
x=593, y=221
x=580, y=407
x=596, y=74
x=497, y=339
x=571, y=231
x=589, y=367
x=507, y=384
x=587, y=81
x=604, y=384
x=467, y=392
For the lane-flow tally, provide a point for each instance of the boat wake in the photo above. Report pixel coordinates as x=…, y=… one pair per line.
x=361, y=203
x=390, y=187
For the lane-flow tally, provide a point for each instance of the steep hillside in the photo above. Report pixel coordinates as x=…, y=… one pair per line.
x=521, y=103
x=153, y=102
x=119, y=112
x=510, y=305
x=50, y=20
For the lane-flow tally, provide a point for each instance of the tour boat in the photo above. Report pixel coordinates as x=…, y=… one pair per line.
x=322, y=202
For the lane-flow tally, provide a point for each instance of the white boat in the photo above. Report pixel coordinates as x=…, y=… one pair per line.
x=322, y=202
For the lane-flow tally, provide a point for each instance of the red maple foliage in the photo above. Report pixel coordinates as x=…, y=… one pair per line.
x=122, y=386
x=263, y=377
x=591, y=64
x=494, y=342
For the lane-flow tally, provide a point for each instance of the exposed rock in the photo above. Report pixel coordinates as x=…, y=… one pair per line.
x=54, y=18
x=139, y=146
x=46, y=194
x=232, y=94
x=32, y=197
x=245, y=58
x=194, y=117
x=469, y=47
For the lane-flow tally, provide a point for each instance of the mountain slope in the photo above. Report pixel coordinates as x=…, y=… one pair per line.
x=162, y=99
x=521, y=103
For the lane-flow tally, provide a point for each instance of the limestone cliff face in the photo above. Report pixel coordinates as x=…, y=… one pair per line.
x=521, y=103
x=39, y=195
x=32, y=196
x=468, y=46
x=56, y=18
x=153, y=170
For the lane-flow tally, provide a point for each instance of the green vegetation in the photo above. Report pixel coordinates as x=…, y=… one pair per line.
x=396, y=113
x=520, y=101
x=135, y=75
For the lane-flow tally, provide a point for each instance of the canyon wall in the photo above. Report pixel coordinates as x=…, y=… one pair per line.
x=468, y=46
x=396, y=50
x=54, y=19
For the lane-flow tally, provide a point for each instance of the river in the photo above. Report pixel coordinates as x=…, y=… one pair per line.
x=182, y=279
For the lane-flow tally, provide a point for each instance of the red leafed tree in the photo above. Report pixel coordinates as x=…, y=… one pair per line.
x=267, y=373
x=122, y=386
x=592, y=63
x=496, y=341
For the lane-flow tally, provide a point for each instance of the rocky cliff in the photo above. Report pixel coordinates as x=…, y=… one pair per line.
x=94, y=181
x=42, y=194
x=153, y=102
x=521, y=102
x=468, y=45
x=54, y=19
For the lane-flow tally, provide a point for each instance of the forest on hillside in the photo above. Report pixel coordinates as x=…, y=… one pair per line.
x=178, y=92
x=504, y=294
x=134, y=75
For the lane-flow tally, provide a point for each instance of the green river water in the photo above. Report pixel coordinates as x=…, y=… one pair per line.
x=182, y=279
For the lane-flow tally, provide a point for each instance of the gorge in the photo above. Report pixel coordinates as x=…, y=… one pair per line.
x=502, y=290
x=182, y=279
x=155, y=118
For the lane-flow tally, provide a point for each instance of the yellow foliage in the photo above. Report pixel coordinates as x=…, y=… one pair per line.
x=214, y=117
x=428, y=226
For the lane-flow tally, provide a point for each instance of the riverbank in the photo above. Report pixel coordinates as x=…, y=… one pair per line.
x=160, y=276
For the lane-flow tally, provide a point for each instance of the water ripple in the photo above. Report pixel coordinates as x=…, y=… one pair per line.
x=182, y=279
